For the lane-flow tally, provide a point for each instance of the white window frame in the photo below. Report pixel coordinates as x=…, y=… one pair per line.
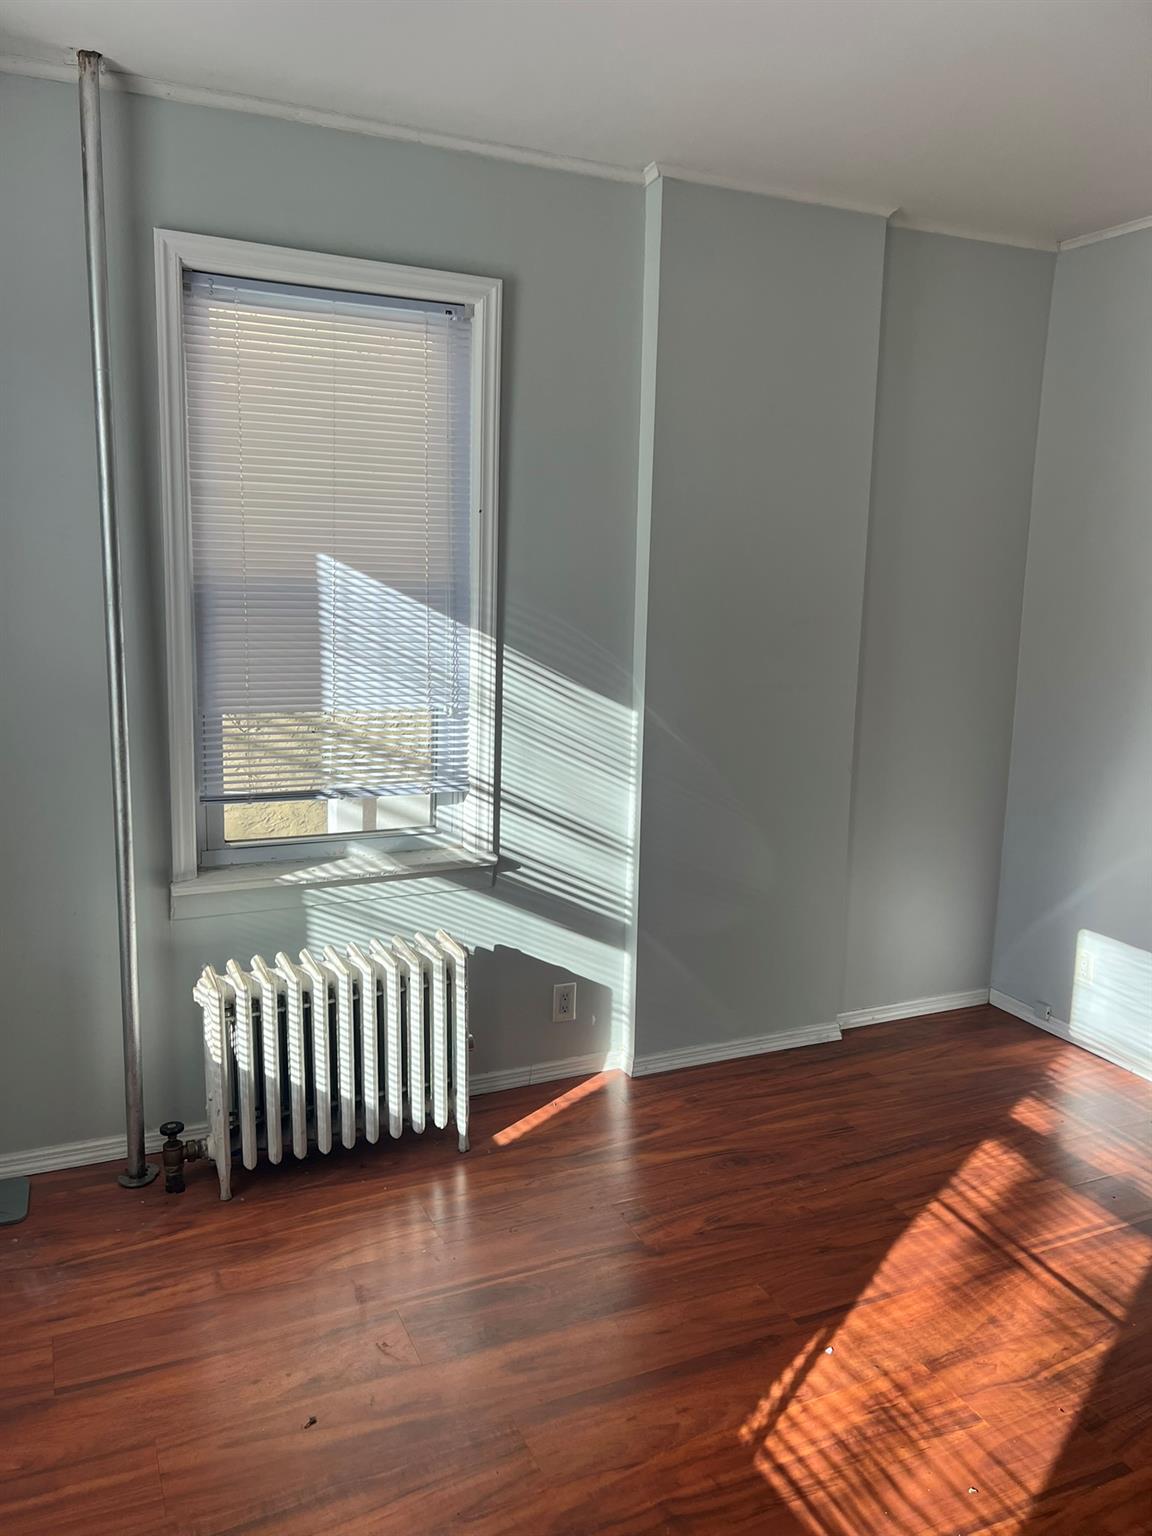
x=365, y=857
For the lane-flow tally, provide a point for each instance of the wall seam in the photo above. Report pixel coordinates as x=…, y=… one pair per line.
x=868, y=576
x=1020, y=626
x=645, y=472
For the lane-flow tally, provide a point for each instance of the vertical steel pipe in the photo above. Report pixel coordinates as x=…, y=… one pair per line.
x=137, y=1171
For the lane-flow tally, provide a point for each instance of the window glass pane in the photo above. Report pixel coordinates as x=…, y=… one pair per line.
x=274, y=820
x=279, y=820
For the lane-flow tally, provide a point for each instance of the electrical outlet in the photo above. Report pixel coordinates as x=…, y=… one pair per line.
x=564, y=1002
x=1042, y=1009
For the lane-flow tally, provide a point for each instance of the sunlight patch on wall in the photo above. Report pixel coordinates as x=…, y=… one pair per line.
x=562, y=897
x=1112, y=999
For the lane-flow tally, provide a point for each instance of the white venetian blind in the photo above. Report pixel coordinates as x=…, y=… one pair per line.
x=329, y=459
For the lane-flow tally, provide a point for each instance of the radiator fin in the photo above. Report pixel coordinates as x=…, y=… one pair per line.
x=359, y=1030
x=294, y=983
x=270, y=1052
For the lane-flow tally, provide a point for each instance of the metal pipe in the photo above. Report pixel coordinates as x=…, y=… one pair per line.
x=138, y=1171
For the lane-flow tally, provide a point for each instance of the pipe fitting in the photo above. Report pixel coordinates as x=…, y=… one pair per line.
x=175, y=1153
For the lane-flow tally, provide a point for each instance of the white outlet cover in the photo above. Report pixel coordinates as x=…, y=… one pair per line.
x=564, y=1002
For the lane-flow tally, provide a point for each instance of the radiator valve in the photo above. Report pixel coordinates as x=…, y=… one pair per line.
x=176, y=1153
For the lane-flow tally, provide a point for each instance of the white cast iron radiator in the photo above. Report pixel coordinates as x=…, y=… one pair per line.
x=358, y=1034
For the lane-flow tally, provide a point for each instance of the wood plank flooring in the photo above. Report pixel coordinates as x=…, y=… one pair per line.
x=899, y=1284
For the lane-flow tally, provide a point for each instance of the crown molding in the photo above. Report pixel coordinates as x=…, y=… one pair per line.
x=260, y=106
x=895, y=215
x=902, y=220
x=673, y=172
x=1111, y=233
x=64, y=71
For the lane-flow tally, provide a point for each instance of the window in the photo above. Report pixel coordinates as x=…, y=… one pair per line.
x=329, y=437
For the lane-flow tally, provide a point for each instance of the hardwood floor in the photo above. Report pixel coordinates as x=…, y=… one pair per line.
x=899, y=1284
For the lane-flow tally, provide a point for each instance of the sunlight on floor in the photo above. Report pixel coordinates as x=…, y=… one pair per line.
x=871, y=1429
x=549, y=1111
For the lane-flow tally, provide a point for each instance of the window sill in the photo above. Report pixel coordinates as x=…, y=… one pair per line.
x=361, y=868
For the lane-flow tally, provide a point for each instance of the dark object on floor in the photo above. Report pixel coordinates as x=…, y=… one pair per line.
x=13, y=1201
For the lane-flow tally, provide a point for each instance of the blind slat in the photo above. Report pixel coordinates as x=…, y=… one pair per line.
x=329, y=458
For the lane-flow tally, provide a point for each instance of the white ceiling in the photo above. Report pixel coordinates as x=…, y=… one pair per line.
x=1026, y=120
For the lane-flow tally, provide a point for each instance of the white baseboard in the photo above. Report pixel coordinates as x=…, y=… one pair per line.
x=945, y=1003
x=107, y=1149
x=1107, y=1050
x=78, y=1154
x=549, y=1071
x=729, y=1050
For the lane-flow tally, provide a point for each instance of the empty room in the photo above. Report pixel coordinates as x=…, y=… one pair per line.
x=576, y=719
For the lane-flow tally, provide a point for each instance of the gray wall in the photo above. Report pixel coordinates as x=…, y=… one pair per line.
x=765, y=374
x=1078, y=837
x=744, y=470
x=570, y=251
x=961, y=358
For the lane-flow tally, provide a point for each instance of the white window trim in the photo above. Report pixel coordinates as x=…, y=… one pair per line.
x=175, y=251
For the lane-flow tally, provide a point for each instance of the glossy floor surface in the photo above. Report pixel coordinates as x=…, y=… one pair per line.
x=895, y=1285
